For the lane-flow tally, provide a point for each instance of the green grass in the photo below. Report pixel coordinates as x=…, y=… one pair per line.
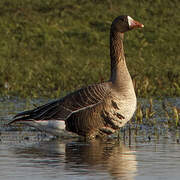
x=50, y=47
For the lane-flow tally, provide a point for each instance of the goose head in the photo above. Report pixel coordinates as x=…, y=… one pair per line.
x=125, y=23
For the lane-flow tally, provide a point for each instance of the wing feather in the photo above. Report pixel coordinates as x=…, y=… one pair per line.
x=63, y=108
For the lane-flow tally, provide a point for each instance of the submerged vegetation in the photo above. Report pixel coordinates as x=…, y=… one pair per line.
x=50, y=47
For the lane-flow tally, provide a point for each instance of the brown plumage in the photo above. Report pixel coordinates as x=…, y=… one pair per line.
x=99, y=109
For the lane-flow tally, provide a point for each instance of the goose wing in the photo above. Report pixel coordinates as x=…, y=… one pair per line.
x=63, y=108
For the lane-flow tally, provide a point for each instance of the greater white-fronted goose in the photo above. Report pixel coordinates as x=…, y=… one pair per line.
x=96, y=110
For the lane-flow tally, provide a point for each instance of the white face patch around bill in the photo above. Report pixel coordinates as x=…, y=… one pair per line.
x=134, y=24
x=130, y=21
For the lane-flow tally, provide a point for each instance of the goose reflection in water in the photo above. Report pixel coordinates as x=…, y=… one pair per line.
x=95, y=159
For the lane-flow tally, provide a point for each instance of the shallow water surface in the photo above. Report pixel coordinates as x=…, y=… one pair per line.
x=152, y=153
x=69, y=159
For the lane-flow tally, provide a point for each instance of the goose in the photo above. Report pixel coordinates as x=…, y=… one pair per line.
x=97, y=110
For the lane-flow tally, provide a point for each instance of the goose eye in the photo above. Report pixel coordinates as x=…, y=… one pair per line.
x=122, y=19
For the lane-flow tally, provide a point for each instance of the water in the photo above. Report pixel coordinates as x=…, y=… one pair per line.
x=28, y=154
x=70, y=159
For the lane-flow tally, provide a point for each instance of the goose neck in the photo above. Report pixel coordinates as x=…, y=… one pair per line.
x=118, y=64
x=116, y=49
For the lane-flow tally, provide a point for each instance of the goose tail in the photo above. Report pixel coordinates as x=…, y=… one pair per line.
x=21, y=117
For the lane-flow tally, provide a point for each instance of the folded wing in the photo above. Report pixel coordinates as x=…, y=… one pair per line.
x=63, y=108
